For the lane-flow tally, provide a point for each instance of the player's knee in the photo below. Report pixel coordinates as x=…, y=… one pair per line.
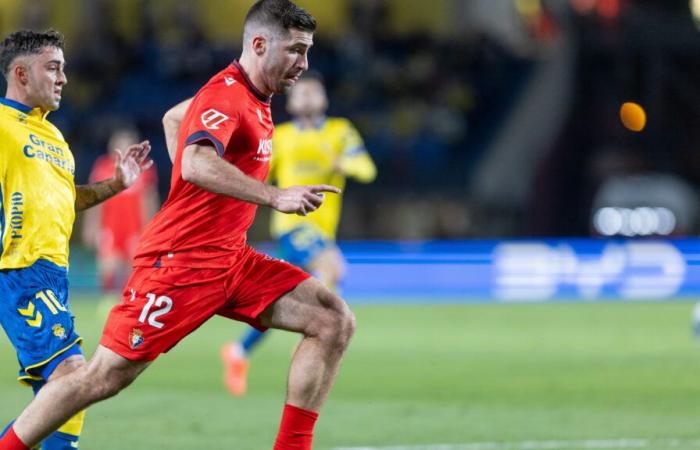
x=68, y=366
x=330, y=268
x=339, y=269
x=106, y=382
x=109, y=388
x=335, y=274
x=349, y=324
x=101, y=387
x=339, y=325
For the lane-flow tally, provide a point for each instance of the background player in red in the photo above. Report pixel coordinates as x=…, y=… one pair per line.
x=193, y=261
x=114, y=227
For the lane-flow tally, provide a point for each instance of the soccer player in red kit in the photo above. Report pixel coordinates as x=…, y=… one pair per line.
x=114, y=227
x=193, y=261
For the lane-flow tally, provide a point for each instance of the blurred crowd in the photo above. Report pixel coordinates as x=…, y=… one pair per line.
x=424, y=102
x=456, y=101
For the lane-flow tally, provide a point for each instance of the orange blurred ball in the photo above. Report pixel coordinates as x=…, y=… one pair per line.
x=633, y=116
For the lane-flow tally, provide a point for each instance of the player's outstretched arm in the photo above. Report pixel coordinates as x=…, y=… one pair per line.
x=171, y=125
x=130, y=165
x=201, y=165
x=359, y=167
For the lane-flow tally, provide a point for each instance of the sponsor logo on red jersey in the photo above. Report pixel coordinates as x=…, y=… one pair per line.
x=264, y=150
x=212, y=118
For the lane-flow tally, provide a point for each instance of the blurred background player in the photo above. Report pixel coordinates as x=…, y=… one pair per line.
x=114, y=227
x=310, y=149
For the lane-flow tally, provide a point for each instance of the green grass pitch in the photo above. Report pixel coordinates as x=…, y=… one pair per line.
x=422, y=375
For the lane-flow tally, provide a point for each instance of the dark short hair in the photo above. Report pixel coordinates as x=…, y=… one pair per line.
x=26, y=42
x=282, y=14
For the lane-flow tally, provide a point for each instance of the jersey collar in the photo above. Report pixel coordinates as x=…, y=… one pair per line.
x=320, y=122
x=249, y=84
x=16, y=105
x=24, y=109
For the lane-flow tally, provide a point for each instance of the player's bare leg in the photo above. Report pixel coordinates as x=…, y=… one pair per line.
x=70, y=431
x=327, y=325
x=328, y=266
x=236, y=364
x=102, y=377
x=109, y=266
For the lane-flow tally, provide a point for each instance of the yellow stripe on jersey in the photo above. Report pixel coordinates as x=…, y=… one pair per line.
x=25, y=379
x=37, y=190
x=313, y=156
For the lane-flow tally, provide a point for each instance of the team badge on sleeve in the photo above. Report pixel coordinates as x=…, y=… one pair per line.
x=136, y=338
x=59, y=332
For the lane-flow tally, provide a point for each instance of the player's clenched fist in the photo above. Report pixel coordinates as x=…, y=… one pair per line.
x=301, y=199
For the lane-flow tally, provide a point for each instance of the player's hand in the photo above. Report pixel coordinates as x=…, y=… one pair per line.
x=301, y=200
x=132, y=163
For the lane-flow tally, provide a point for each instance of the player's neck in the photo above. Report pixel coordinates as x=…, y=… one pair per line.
x=309, y=122
x=18, y=96
x=254, y=74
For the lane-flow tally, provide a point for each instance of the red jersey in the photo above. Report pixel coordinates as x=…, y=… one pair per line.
x=123, y=214
x=197, y=228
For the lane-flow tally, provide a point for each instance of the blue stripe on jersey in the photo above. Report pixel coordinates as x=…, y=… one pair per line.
x=355, y=150
x=17, y=105
x=200, y=136
x=2, y=221
x=320, y=123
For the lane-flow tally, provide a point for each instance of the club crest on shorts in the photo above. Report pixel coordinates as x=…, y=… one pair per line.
x=59, y=332
x=136, y=338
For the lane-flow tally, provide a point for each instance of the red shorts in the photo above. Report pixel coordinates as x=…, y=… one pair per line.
x=162, y=305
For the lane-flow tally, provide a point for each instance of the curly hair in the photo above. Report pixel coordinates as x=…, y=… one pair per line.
x=26, y=42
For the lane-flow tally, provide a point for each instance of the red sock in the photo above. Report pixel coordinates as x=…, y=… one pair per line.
x=10, y=441
x=296, y=430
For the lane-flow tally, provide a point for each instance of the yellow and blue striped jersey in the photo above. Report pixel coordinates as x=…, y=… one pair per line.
x=37, y=190
x=312, y=156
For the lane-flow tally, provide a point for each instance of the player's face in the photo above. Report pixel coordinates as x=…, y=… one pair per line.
x=287, y=59
x=121, y=140
x=307, y=99
x=45, y=78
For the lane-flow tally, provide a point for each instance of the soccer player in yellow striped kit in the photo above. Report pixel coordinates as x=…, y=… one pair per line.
x=311, y=149
x=38, y=202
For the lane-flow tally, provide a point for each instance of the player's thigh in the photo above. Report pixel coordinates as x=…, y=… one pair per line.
x=301, y=245
x=35, y=314
x=111, y=370
x=328, y=265
x=160, y=307
x=67, y=366
x=308, y=308
x=256, y=282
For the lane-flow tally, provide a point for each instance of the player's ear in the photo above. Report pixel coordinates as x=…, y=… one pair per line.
x=259, y=45
x=21, y=73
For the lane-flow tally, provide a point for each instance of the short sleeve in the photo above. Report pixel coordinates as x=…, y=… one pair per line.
x=212, y=118
x=355, y=161
x=352, y=141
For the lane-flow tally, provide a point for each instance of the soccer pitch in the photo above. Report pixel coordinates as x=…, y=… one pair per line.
x=441, y=377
